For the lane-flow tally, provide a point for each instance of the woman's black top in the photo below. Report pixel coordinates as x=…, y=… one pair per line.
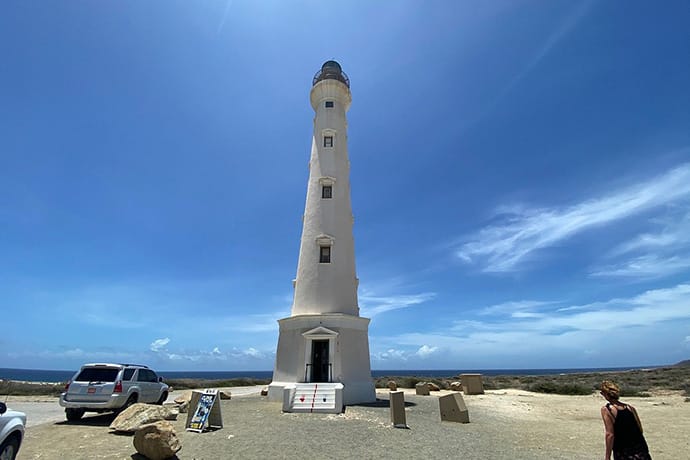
x=628, y=441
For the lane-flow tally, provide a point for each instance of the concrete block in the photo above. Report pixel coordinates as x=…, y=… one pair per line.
x=453, y=408
x=472, y=384
x=397, y=403
x=422, y=388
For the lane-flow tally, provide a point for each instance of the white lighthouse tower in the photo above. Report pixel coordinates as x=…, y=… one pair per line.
x=325, y=341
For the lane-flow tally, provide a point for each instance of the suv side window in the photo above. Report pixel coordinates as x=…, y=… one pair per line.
x=146, y=375
x=129, y=373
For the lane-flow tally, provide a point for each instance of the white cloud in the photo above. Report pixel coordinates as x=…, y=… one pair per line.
x=253, y=352
x=504, y=246
x=426, y=350
x=390, y=354
x=159, y=344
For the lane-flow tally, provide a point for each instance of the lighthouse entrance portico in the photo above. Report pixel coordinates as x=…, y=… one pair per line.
x=320, y=349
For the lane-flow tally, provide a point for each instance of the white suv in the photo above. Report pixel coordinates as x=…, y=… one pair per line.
x=12, y=425
x=102, y=387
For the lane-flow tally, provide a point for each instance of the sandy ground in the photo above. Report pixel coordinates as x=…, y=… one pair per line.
x=504, y=424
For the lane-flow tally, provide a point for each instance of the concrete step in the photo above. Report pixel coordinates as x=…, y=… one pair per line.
x=315, y=397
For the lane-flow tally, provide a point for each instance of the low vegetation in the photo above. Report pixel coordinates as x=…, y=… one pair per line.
x=10, y=387
x=190, y=384
x=637, y=383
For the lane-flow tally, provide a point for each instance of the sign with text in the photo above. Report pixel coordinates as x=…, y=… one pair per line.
x=204, y=411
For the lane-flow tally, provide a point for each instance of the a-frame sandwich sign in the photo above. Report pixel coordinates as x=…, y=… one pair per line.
x=204, y=411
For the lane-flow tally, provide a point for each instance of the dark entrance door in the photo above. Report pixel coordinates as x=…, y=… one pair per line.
x=319, y=361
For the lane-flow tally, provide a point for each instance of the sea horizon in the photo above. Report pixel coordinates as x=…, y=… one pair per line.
x=58, y=376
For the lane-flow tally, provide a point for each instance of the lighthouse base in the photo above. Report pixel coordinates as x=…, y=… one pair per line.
x=328, y=348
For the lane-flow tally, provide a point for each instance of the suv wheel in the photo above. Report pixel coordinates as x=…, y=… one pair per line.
x=163, y=398
x=73, y=414
x=130, y=401
x=9, y=448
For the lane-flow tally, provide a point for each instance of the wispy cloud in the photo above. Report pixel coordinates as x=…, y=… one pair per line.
x=502, y=247
x=561, y=30
x=649, y=266
x=673, y=231
x=514, y=309
x=221, y=25
x=584, y=330
x=259, y=322
x=372, y=305
x=652, y=255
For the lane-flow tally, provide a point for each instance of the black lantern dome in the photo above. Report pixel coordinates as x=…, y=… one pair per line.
x=331, y=70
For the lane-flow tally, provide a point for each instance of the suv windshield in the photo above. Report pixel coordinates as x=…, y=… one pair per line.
x=97, y=374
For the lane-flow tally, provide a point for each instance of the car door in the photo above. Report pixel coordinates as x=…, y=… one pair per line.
x=144, y=382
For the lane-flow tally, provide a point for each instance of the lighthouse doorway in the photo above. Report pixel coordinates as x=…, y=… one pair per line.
x=320, y=361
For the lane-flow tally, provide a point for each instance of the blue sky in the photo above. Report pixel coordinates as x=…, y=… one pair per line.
x=520, y=179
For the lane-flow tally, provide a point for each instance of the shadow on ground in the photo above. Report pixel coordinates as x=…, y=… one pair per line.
x=94, y=420
x=381, y=403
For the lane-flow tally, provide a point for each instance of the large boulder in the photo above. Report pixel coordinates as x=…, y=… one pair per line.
x=433, y=386
x=456, y=386
x=225, y=394
x=392, y=385
x=137, y=415
x=157, y=441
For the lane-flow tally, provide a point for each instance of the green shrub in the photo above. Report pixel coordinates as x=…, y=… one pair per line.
x=560, y=389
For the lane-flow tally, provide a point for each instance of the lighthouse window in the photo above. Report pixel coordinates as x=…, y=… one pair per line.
x=329, y=104
x=328, y=141
x=327, y=191
x=325, y=255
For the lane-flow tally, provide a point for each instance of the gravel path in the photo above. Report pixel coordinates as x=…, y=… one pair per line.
x=505, y=424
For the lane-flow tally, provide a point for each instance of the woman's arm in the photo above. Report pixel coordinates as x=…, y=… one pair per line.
x=608, y=430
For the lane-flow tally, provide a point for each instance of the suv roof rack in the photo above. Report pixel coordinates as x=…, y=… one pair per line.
x=130, y=364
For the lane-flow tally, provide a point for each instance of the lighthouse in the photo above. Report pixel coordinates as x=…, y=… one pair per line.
x=324, y=344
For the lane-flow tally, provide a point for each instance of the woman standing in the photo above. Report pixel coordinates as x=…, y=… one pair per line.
x=623, y=427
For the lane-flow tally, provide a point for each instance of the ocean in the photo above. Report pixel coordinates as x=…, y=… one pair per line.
x=40, y=375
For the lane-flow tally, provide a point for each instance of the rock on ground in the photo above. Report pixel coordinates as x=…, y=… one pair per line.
x=157, y=441
x=136, y=415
